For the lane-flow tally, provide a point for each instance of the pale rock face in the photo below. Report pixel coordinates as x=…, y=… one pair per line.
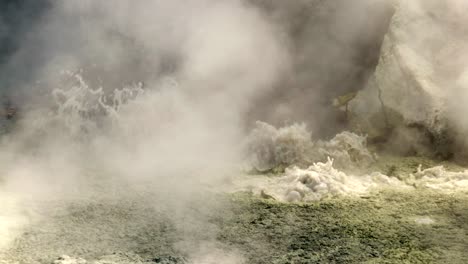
x=421, y=67
x=334, y=48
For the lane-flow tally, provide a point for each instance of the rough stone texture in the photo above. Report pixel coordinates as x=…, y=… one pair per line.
x=378, y=228
x=418, y=70
x=335, y=46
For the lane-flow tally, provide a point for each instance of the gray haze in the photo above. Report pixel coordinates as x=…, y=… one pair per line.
x=157, y=96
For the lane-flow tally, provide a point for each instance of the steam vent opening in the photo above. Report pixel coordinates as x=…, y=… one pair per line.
x=233, y=131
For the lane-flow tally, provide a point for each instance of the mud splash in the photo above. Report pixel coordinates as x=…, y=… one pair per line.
x=341, y=174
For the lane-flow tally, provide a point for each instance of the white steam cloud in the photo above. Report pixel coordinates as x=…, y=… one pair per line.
x=155, y=98
x=159, y=102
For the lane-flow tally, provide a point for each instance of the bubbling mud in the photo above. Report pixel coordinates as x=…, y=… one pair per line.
x=334, y=170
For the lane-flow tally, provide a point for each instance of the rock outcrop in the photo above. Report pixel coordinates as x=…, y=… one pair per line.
x=419, y=78
x=335, y=47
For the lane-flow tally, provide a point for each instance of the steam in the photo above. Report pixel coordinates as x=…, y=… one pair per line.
x=152, y=93
x=269, y=148
x=335, y=46
x=155, y=97
x=304, y=170
x=421, y=77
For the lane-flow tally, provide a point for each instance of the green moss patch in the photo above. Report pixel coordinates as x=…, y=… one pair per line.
x=379, y=228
